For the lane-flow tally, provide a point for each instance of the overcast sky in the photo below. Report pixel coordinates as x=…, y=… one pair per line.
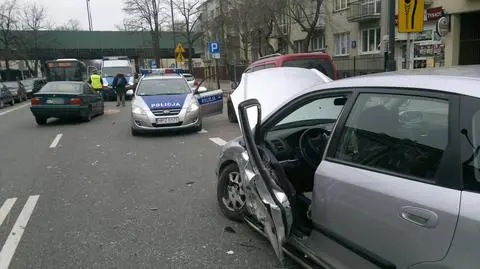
x=105, y=13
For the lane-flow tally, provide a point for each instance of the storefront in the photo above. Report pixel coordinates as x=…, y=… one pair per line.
x=427, y=49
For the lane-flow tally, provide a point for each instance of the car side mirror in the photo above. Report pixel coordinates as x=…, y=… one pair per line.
x=250, y=136
x=129, y=92
x=201, y=89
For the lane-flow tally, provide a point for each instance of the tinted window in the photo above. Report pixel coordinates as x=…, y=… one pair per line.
x=163, y=87
x=396, y=133
x=269, y=66
x=113, y=71
x=260, y=67
x=470, y=142
x=62, y=88
x=321, y=65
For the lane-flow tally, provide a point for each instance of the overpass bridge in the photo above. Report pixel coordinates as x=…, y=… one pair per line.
x=47, y=45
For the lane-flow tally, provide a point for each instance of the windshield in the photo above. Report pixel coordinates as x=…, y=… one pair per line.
x=162, y=87
x=62, y=88
x=321, y=65
x=113, y=71
x=188, y=77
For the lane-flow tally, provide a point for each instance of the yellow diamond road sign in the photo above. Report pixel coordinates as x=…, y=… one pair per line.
x=410, y=16
x=179, y=48
x=180, y=58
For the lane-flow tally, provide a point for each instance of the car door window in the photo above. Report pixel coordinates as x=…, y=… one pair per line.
x=470, y=143
x=397, y=134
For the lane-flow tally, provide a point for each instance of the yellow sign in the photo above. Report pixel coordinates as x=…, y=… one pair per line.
x=180, y=58
x=410, y=16
x=179, y=48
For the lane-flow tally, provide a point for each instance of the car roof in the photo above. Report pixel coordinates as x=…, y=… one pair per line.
x=291, y=56
x=66, y=82
x=459, y=79
x=162, y=76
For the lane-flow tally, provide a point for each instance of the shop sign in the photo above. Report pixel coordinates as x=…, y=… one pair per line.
x=431, y=14
x=443, y=26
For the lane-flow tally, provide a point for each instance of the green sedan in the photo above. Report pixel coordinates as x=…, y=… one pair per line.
x=66, y=100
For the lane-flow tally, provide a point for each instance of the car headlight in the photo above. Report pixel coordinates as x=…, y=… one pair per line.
x=138, y=110
x=193, y=107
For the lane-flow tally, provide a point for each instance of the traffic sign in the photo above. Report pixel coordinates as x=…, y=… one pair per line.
x=214, y=47
x=410, y=16
x=179, y=48
x=180, y=58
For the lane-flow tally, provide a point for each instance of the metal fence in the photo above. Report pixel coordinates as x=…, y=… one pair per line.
x=359, y=65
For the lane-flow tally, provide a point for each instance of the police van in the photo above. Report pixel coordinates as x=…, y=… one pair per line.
x=111, y=66
x=163, y=100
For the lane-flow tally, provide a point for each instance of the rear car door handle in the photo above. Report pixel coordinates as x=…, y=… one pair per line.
x=419, y=216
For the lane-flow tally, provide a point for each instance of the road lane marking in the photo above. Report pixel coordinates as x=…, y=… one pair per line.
x=6, y=207
x=13, y=109
x=203, y=131
x=15, y=235
x=218, y=141
x=55, y=141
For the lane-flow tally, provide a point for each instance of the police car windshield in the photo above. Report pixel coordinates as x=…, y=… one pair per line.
x=162, y=87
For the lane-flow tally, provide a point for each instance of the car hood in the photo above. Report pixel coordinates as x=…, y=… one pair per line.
x=274, y=87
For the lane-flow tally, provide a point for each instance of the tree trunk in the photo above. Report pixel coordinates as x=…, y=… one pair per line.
x=190, y=54
x=306, y=42
x=7, y=69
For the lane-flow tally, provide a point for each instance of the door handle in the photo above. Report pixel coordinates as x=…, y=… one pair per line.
x=419, y=216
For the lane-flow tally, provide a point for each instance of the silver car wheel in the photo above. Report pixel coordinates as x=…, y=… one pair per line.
x=235, y=193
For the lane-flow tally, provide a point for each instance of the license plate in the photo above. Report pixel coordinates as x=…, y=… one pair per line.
x=55, y=101
x=167, y=120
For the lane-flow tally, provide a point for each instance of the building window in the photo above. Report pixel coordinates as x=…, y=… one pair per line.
x=342, y=40
x=298, y=45
x=341, y=4
x=370, y=40
x=317, y=43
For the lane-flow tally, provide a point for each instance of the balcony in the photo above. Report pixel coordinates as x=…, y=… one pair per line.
x=364, y=10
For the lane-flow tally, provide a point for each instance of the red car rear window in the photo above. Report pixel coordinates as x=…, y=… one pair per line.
x=322, y=65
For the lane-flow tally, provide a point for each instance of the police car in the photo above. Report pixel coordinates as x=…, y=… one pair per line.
x=164, y=101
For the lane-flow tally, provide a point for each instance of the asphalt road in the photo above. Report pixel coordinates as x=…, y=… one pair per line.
x=89, y=195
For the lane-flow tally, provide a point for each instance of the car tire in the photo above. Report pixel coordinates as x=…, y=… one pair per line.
x=135, y=132
x=199, y=127
x=231, y=114
x=88, y=117
x=222, y=185
x=12, y=103
x=41, y=120
x=2, y=104
x=102, y=111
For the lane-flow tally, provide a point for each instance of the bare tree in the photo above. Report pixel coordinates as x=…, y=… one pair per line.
x=146, y=15
x=33, y=18
x=306, y=13
x=70, y=25
x=188, y=10
x=8, y=24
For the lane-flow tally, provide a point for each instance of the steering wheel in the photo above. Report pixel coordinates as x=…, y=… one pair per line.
x=312, y=145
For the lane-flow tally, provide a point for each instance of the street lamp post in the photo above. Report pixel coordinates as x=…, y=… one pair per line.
x=90, y=26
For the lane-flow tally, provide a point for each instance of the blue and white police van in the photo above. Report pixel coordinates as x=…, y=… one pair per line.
x=111, y=66
x=165, y=101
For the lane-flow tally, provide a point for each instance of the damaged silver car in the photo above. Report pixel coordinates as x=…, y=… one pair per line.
x=379, y=171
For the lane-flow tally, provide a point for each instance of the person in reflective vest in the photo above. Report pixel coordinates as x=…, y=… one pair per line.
x=96, y=82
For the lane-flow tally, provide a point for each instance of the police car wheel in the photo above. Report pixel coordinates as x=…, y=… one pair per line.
x=230, y=193
x=135, y=132
x=231, y=114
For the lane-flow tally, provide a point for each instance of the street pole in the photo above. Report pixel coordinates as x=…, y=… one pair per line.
x=216, y=73
x=90, y=26
x=408, y=54
x=173, y=31
x=391, y=32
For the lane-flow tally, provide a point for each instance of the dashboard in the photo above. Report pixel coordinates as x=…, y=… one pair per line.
x=284, y=143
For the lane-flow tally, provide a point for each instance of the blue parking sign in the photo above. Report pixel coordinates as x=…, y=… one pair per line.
x=214, y=47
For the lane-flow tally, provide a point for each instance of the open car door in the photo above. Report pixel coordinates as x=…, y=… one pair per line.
x=211, y=102
x=265, y=197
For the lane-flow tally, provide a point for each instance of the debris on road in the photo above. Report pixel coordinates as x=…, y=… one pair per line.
x=229, y=229
x=190, y=183
x=230, y=252
x=154, y=209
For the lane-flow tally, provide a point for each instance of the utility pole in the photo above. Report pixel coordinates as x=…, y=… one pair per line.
x=90, y=26
x=174, y=34
x=391, y=32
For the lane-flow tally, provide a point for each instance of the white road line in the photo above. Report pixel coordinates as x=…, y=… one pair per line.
x=15, y=235
x=218, y=141
x=203, y=131
x=55, y=141
x=13, y=109
x=6, y=207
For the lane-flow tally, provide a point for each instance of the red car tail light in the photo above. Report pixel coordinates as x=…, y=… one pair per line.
x=75, y=101
x=35, y=101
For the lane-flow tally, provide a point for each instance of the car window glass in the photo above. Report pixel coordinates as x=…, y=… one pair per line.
x=396, y=133
x=470, y=142
x=269, y=66
x=322, y=65
x=62, y=88
x=257, y=68
x=324, y=108
x=163, y=87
